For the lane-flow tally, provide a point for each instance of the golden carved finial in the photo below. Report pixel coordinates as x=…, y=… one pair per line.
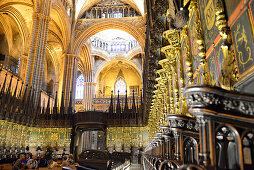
x=188, y=61
x=221, y=22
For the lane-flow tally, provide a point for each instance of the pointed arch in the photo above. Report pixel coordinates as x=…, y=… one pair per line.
x=7, y=31
x=19, y=22
x=104, y=25
x=229, y=146
x=55, y=61
x=120, y=86
x=64, y=22
x=106, y=64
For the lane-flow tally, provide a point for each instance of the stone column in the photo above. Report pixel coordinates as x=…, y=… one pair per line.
x=177, y=137
x=167, y=143
x=88, y=95
x=168, y=148
x=69, y=75
x=204, y=141
x=38, y=44
x=162, y=140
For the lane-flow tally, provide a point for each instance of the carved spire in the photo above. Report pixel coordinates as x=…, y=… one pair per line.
x=20, y=91
x=38, y=109
x=2, y=97
x=118, y=107
x=111, y=105
x=22, y=103
x=43, y=114
x=48, y=106
x=70, y=104
x=62, y=104
x=14, y=98
x=9, y=87
x=133, y=105
x=3, y=86
x=32, y=101
x=55, y=105
x=8, y=101
x=16, y=89
x=136, y=113
x=26, y=106
x=18, y=102
x=43, y=108
x=8, y=95
x=126, y=108
x=51, y=117
x=30, y=105
x=141, y=107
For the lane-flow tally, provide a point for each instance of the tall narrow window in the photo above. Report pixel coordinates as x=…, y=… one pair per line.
x=120, y=86
x=18, y=64
x=80, y=87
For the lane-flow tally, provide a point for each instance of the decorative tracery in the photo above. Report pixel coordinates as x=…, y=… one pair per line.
x=248, y=150
x=227, y=149
x=190, y=150
x=110, y=9
x=120, y=86
x=80, y=87
x=113, y=41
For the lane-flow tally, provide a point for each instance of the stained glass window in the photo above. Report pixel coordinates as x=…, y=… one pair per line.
x=17, y=70
x=120, y=86
x=80, y=87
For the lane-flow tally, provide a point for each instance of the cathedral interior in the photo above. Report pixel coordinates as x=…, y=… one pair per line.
x=128, y=84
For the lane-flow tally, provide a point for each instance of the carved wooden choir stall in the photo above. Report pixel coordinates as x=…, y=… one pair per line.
x=199, y=67
x=220, y=136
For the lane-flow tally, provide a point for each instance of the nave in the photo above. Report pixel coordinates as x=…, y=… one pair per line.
x=126, y=84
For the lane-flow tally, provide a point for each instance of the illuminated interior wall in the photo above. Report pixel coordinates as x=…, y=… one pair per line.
x=109, y=75
x=117, y=137
x=15, y=135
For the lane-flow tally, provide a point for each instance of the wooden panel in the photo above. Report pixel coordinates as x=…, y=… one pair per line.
x=192, y=31
x=219, y=55
x=230, y=6
x=213, y=70
x=243, y=43
x=208, y=18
